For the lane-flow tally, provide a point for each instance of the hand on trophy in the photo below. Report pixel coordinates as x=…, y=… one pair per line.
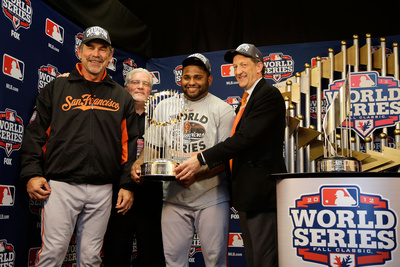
x=188, y=169
x=136, y=173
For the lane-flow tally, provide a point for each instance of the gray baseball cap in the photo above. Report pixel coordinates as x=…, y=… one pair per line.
x=247, y=50
x=195, y=59
x=96, y=32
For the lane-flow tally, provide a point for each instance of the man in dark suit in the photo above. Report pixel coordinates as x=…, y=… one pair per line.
x=256, y=151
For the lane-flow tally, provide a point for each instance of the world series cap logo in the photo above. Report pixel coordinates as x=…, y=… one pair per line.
x=340, y=226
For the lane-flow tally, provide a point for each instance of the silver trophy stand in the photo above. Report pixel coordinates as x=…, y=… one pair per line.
x=163, y=146
x=339, y=164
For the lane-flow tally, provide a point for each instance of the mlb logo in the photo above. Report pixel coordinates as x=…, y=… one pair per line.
x=227, y=70
x=363, y=80
x=54, y=31
x=50, y=69
x=32, y=255
x=274, y=57
x=155, y=75
x=341, y=259
x=235, y=240
x=130, y=62
x=112, y=65
x=10, y=115
x=314, y=61
x=7, y=195
x=233, y=101
x=13, y=67
x=340, y=196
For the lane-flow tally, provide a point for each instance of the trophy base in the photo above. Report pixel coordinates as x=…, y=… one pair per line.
x=339, y=164
x=159, y=171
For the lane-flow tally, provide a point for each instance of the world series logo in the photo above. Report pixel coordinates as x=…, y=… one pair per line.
x=375, y=101
x=11, y=131
x=46, y=73
x=178, y=74
x=7, y=253
x=18, y=12
x=341, y=226
x=278, y=66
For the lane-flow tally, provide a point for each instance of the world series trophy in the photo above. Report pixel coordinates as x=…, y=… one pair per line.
x=163, y=140
x=338, y=113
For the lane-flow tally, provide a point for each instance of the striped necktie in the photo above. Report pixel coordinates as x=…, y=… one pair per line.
x=238, y=116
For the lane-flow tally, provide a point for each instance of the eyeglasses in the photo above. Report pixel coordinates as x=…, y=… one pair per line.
x=137, y=82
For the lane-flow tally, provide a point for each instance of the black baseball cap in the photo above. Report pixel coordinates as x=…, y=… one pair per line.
x=96, y=32
x=196, y=59
x=247, y=50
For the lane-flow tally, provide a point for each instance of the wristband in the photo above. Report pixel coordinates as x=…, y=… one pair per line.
x=201, y=159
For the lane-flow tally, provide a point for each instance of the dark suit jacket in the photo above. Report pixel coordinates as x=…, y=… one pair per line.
x=256, y=149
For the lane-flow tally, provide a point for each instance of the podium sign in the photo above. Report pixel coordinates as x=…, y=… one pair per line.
x=343, y=220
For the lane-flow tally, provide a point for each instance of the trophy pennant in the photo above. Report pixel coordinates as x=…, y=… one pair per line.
x=337, y=113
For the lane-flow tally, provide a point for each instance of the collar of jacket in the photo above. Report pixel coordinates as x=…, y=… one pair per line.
x=76, y=75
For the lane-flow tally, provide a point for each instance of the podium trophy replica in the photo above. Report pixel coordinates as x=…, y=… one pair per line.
x=163, y=142
x=338, y=114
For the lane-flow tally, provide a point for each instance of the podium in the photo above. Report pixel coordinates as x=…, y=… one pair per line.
x=338, y=219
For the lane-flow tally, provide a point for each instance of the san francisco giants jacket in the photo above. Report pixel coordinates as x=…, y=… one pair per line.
x=80, y=132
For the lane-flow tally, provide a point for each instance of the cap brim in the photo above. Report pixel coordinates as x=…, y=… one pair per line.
x=230, y=55
x=95, y=38
x=196, y=62
x=190, y=60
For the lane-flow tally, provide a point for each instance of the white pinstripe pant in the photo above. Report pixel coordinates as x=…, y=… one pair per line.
x=179, y=225
x=86, y=206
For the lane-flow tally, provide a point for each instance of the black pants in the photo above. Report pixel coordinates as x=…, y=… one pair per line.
x=143, y=221
x=259, y=232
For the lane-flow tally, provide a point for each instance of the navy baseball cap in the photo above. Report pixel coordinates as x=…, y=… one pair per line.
x=196, y=59
x=96, y=32
x=247, y=50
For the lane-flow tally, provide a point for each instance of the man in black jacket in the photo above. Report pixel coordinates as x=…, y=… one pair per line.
x=76, y=145
x=256, y=151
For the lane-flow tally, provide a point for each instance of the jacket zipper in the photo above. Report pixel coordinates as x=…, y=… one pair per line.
x=90, y=130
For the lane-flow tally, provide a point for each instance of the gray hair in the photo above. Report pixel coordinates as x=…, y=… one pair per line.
x=130, y=73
